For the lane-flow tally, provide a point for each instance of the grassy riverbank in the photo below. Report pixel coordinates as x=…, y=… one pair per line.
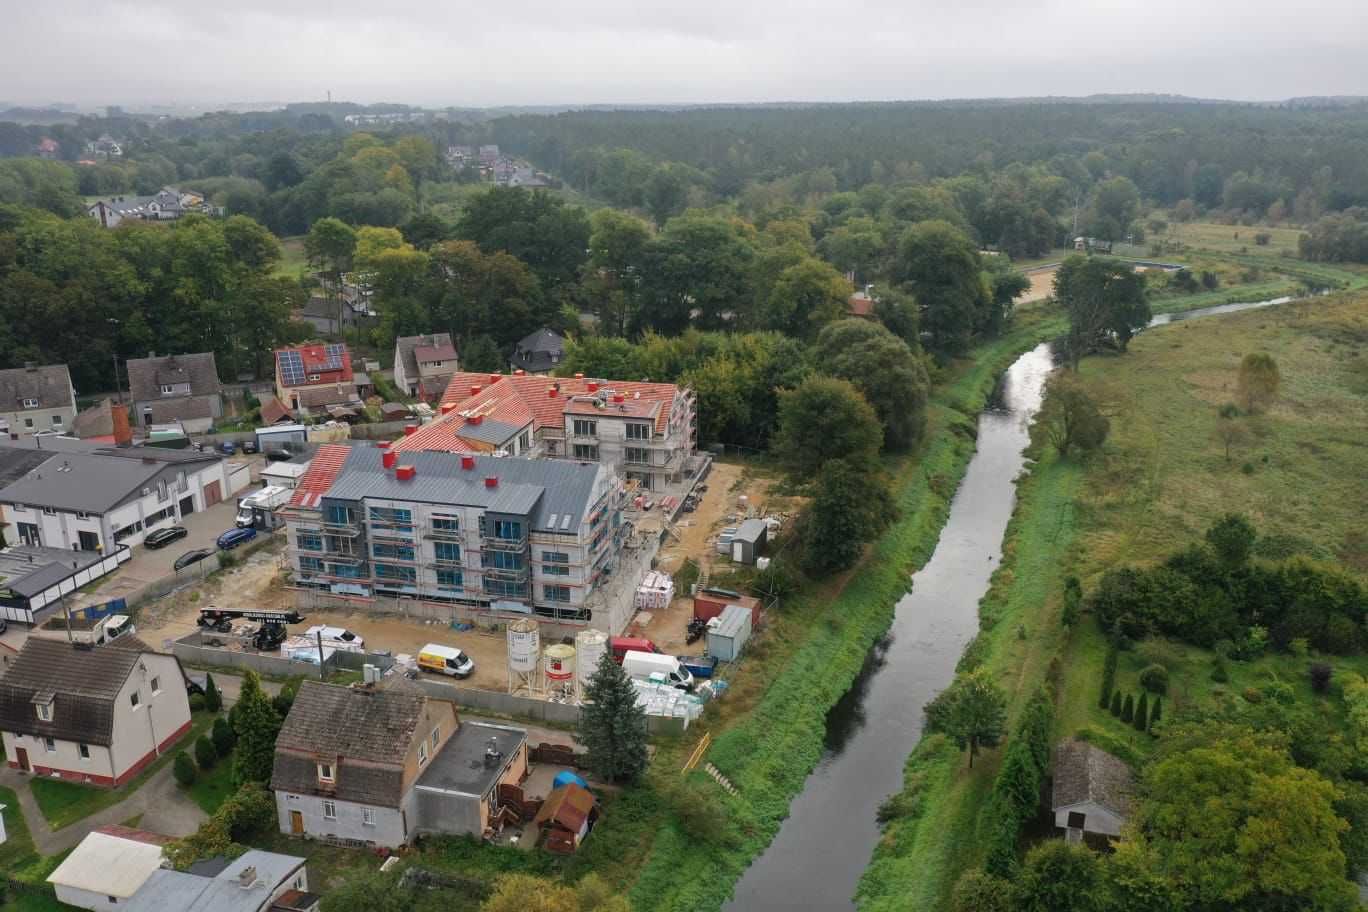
x=1162, y=479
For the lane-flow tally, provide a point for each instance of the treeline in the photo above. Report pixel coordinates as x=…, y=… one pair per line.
x=72, y=292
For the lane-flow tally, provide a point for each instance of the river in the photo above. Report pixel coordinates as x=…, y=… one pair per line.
x=823, y=846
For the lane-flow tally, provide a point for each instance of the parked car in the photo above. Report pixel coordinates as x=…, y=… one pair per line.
x=193, y=557
x=195, y=683
x=160, y=538
x=227, y=448
x=234, y=537
x=249, y=446
x=280, y=454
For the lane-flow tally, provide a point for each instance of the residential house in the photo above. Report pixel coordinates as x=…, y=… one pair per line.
x=644, y=432
x=1092, y=791
x=167, y=204
x=424, y=365
x=49, y=148
x=96, y=715
x=111, y=496
x=108, y=867
x=182, y=388
x=255, y=881
x=315, y=376
x=34, y=398
x=381, y=766
x=105, y=147
x=539, y=352
x=511, y=535
x=489, y=155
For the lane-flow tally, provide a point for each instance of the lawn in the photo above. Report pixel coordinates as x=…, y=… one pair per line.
x=63, y=803
x=1160, y=481
x=1231, y=238
x=293, y=262
x=210, y=789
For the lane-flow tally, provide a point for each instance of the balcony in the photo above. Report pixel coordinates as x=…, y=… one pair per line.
x=513, y=576
x=434, y=534
x=504, y=544
x=391, y=533
x=346, y=530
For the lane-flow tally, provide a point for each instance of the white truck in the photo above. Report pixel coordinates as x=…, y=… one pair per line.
x=257, y=510
x=92, y=631
x=339, y=638
x=653, y=666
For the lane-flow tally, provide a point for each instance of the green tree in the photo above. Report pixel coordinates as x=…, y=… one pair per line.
x=213, y=700
x=1156, y=711
x=1232, y=539
x=1058, y=876
x=1116, y=703
x=1115, y=204
x=1106, y=303
x=972, y=712
x=806, y=297
x=822, y=420
x=612, y=725
x=848, y=509
x=891, y=375
x=666, y=193
x=1128, y=710
x=222, y=736
x=1258, y=382
x=482, y=354
x=617, y=258
x=1141, y=720
x=205, y=754
x=1108, y=677
x=940, y=266
x=535, y=227
x=256, y=725
x=979, y=891
x=183, y=768
x=697, y=270
x=329, y=247
x=1070, y=417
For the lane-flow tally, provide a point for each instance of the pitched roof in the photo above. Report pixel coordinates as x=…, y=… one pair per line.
x=97, y=481
x=1083, y=772
x=224, y=891
x=83, y=683
x=539, y=351
x=365, y=732
x=323, y=396
x=568, y=807
x=179, y=408
x=314, y=358
x=110, y=861
x=146, y=376
x=49, y=384
x=404, y=346
x=323, y=470
x=274, y=412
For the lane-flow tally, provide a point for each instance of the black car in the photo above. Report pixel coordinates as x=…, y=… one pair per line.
x=163, y=537
x=192, y=557
x=280, y=454
x=249, y=446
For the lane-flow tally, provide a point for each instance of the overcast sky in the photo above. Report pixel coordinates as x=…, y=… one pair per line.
x=604, y=51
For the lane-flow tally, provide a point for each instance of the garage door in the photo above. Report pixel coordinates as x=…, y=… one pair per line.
x=187, y=506
x=212, y=494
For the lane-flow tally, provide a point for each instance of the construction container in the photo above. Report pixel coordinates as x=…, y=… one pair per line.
x=708, y=604
x=748, y=541
x=728, y=633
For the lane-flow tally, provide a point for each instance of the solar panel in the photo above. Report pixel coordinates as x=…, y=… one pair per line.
x=333, y=357
x=291, y=367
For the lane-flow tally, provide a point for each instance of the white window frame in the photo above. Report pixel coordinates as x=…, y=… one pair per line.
x=422, y=753
x=56, y=420
x=30, y=403
x=50, y=745
x=368, y=816
x=329, y=776
x=329, y=809
x=156, y=686
x=167, y=389
x=434, y=739
x=44, y=711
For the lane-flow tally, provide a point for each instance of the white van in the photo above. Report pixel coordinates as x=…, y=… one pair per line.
x=641, y=665
x=447, y=660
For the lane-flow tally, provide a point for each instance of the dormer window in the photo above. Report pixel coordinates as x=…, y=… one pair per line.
x=325, y=773
x=422, y=752
x=167, y=389
x=30, y=403
x=44, y=709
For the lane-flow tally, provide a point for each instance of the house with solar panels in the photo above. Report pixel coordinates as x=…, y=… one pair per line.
x=511, y=536
x=314, y=377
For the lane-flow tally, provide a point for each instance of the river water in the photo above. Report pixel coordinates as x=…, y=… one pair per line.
x=816, y=860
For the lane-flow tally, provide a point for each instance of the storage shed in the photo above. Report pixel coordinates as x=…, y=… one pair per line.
x=749, y=541
x=728, y=632
x=709, y=603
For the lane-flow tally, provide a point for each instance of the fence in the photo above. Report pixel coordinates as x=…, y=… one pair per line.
x=190, y=650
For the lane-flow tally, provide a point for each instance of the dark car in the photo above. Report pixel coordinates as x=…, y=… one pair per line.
x=249, y=446
x=280, y=454
x=234, y=537
x=163, y=537
x=193, y=557
x=227, y=448
x=195, y=683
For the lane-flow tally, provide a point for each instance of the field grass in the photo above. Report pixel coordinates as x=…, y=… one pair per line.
x=212, y=788
x=1230, y=238
x=63, y=803
x=292, y=263
x=1159, y=483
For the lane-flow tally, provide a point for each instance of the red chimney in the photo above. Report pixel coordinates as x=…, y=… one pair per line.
x=551, y=392
x=410, y=429
x=494, y=378
x=118, y=420
x=475, y=389
x=618, y=397
x=384, y=444
x=467, y=462
x=520, y=373
x=491, y=481
x=579, y=375
x=388, y=458
x=593, y=386
x=404, y=473
x=448, y=408
x=475, y=419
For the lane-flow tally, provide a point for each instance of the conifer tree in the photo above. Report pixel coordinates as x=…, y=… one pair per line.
x=1116, y=703
x=256, y=726
x=1157, y=711
x=612, y=725
x=213, y=700
x=1141, y=721
x=1128, y=710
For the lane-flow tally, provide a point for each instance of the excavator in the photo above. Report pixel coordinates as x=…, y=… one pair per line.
x=269, y=635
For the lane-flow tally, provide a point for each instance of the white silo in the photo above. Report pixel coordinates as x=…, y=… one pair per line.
x=558, y=662
x=524, y=654
x=591, y=645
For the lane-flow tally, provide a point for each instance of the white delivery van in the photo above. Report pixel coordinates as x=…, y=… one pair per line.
x=641, y=665
x=447, y=660
x=258, y=508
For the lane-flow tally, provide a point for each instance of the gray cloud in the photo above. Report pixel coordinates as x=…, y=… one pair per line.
x=604, y=51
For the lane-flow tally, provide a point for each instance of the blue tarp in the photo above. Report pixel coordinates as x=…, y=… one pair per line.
x=565, y=776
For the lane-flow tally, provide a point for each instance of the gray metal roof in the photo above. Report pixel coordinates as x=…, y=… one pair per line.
x=98, y=481
x=490, y=431
x=461, y=765
x=528, y=487
x=185, y=892
x=752, y=530
x=28, y=571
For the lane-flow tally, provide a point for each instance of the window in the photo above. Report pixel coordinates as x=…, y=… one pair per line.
x=28, y=422
x=508, y=588
x=391, y=516
x=584, y=427
x=113, y=900
x=586, y=453
x=639, y=455
x=367, y=818
x=447, y=552
x=450, y=579
x=556, y=593
x=56, y=420
x=50, y=745
x=339, y=515
x=338, y=544
x=133, y=699
x=311, y=563
x=503, y=560
x=555, y=570
x=637, y=431
x=555, y=557
x=167, y=389
x=49, y=511
x=524, y=442
x=396, y=572
x=325, y=772
x=434, y=739
x=446, y=524
x=394, y=552
x=309, y=541
x=81, y=515
x=422, y=752
x=156, y=686
x=30, y=403
x=84, y=750
x=507, y=529
x=44, y=711
x=313, y=378
x=329, y=810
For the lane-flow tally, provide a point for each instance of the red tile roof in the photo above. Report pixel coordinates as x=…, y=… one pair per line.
x=860, y=305
x=323, y=471
x=549, y=411
x=274, y=411
x=314, y=358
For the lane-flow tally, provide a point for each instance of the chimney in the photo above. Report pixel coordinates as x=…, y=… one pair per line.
x=494, y=378
x=475, y=389
x=551, y=392
x=118, y=419
x=475, y=419
x=593, y=386
x=618, y=397
x=520, y=373
x=247, y=877
x=579, y=375
x=448, y=408
x=384, y=444
x=410, y=429
x=491, y=481
x=405, y=473
x=388, y=458
x=467, y=462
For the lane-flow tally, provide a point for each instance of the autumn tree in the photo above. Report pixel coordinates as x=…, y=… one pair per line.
x=1258, y=382
x=972, y=712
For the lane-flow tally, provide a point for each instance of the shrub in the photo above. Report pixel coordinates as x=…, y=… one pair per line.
x=197, y=703
x=1253, y=695
x=1155, y=679
x=1156, y=711
x=1320, y=677
x=1299, y=647
x=222, y=736
x=1141, y=720
x=1128, y=710
x=979, y=891
x=183, y=768
x=1116, y=704
x=213, y=700
x=1218, y=671
x=1108, y=678
x=205, y=754
x=1262, y=238
x=1073, y=601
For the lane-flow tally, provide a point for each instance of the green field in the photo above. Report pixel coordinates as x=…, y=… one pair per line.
x=292, y=263
x=1231, y=238
x=1160, y=481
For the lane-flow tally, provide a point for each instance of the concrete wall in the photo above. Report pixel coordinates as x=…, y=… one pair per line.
x=388, y=829
x=27, y=422
x=85, y=899
x=189, y=651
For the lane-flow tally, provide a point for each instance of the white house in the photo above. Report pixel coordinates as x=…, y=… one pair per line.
x=107, y=868
x=1092, y=790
